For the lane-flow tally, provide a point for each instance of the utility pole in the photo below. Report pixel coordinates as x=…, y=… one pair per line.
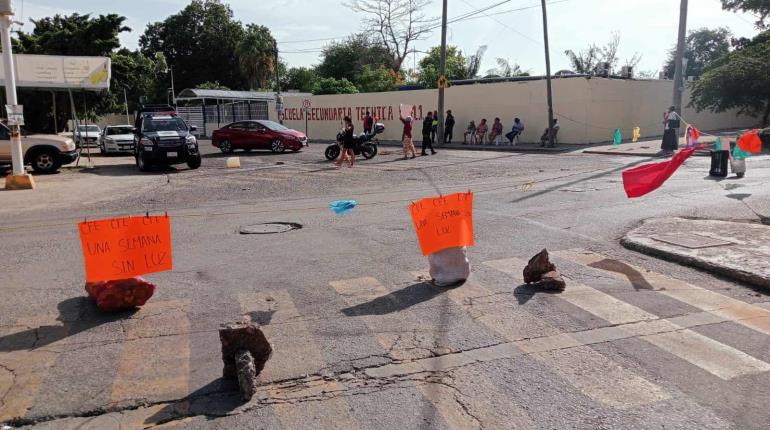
x=678, y=63
x=278, y=98
x=19, y=180
x=442, y=74
x=125, y=100
x=548, y=76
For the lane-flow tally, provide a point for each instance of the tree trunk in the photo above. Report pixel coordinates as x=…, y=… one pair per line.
x=766, y=116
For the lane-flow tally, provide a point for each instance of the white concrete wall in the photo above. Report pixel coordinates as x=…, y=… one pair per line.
x=588, y=110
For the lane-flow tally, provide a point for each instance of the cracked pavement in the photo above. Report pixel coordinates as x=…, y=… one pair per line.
x=360, y=341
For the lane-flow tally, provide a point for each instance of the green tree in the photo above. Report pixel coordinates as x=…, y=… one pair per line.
x=702, y=47
x=346, y=59
x=458, y=66
x=739, y=80
x=256, y=54
x=138, y=75
x=585, y=61
x=299, y=78
x=200, y=42
x=212, y=85
x=377, y=80
x=334, y=86
x=761, y=8
x=73, y=35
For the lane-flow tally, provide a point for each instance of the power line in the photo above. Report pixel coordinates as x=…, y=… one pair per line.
x=505, y=25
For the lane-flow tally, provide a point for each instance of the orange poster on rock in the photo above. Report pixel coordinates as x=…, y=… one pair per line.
x=443, y=222
x=120, y=248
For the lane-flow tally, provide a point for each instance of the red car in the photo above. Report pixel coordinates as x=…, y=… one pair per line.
x=258, y=134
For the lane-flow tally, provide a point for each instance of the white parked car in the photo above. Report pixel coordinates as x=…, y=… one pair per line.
x=44, y=152
x=87, y=134
x=117, y=138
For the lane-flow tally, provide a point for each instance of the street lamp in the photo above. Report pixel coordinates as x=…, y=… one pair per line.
x=19, y=180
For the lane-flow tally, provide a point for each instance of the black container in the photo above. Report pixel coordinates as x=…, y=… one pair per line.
x=719, y=162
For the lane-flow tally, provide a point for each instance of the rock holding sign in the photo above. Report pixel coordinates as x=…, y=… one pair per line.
x=116, y=251
x=121, y=248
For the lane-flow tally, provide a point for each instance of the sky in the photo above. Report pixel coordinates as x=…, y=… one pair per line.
x=646, y=27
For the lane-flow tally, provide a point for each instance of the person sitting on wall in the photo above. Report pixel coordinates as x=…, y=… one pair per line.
x=481, y=131
x=515, y=132
x=470, y=131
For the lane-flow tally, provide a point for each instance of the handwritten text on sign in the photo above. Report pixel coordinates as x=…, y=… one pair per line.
x=443, y=222
x=120, y=248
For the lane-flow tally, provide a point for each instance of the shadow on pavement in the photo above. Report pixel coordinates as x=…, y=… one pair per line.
x=132, y=170
x=396, y=301
x=256, y=153
x=215, y=400
x=634, y=276
x=77, y=314
x=526, y=292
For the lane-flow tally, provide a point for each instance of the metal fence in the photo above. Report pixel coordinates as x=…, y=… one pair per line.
x=221, y=114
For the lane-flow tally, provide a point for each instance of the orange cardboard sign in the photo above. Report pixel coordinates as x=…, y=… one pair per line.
x=443, y=222
x=120, y=248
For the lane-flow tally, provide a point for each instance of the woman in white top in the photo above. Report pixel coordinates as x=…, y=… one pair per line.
x=670, y=131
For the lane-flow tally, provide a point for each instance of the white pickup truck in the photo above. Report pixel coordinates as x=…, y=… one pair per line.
x=44, y=152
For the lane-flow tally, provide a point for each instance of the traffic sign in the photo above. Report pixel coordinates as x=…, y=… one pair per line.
x=306, y=103
x=15, y=114
x=442, y=82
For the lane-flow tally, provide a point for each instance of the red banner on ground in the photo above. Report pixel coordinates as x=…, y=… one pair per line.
x=120, y=248
x=649, y=177
x=443, y=222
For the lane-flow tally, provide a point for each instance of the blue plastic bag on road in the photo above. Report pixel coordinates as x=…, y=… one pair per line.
x=341, y=207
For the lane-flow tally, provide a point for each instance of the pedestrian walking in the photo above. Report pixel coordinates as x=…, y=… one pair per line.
x=347, y=143
x=671, y=124
x=368, y=123
x=515, y=132
x=449, y=125
x=427, y=127
x=406, y=137
x=481, y=131
x=434, y=127
x=470, y=131
x=497, y=131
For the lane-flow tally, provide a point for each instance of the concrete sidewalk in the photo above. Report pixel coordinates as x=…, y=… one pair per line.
x=738, y=250
x=521, y=147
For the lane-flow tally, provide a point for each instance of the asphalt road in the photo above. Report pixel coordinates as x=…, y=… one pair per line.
x=360, y=341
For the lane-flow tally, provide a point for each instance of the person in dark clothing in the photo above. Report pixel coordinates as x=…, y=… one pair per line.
x=434, y=128
x=348, y=143
x=368, y=123
x=449, y=125
x=671, y=124
x=427, y=127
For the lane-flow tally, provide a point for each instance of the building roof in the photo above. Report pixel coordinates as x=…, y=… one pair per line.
x=199, y=93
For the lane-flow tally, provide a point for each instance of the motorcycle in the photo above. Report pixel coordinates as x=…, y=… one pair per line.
x=364, y=144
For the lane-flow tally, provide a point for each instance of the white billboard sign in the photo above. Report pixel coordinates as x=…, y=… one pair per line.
x=56, y=71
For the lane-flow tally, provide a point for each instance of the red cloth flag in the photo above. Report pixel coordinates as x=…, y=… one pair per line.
x=649, y=177
x=750, y=142
x=695, y=134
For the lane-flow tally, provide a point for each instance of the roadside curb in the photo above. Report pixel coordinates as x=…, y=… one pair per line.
x=642, y=241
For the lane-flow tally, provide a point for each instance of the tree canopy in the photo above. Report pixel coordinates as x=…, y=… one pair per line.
x=200, y=42
x=702, y=47
x=739, y=80
x=761, y=8
x=256, y=55
x=334, y=86
x=347, y=59
x=73, y=35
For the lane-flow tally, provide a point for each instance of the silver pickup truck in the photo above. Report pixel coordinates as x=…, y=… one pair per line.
x=46, y=153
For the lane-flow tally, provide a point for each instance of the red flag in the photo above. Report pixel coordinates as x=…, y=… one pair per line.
x=649, y=177
x=695, y=134
x=750, y=142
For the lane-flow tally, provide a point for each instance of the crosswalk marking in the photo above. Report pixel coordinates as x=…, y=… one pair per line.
x=22, y=370
x=751, y=316
x=714, y=357
x=595, y=375
x=363, y=290
x=155, y=356
x=295, y=352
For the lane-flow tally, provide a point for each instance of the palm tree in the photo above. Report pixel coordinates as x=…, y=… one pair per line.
x=473, y=63
x=256, y=55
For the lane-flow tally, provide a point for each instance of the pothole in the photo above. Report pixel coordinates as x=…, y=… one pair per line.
x=270, y=228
